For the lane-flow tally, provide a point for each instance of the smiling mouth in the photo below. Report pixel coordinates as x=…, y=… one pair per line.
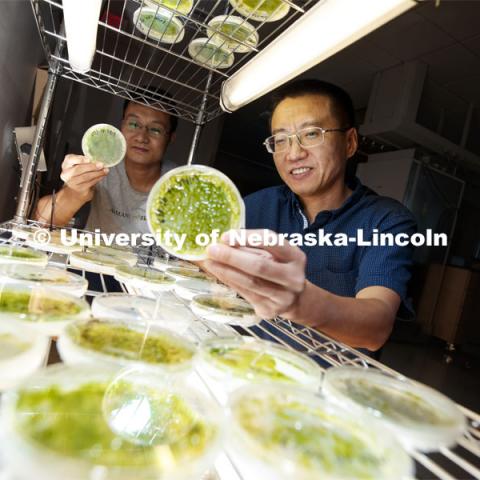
x=140, y=149
x=300, y=171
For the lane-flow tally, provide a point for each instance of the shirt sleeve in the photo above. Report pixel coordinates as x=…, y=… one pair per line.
x=389, y=266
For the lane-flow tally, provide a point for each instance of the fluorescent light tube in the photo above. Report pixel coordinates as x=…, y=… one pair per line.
x=81, y=23
x=324, y=30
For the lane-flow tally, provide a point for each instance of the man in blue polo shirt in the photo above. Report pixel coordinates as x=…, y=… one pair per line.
x=348, y=290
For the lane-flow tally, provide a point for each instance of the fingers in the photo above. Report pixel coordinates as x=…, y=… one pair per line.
x=80, y=173
x=72, y=160
x=261, y=267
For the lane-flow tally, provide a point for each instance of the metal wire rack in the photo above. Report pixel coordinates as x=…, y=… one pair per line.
x=128, y=62
x=459, y=462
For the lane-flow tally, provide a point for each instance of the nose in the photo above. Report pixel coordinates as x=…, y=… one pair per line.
x=295, y=151
x=142, y=135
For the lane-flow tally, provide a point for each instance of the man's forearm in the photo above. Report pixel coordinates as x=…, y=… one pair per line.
x=358, y=322
x=67, y=204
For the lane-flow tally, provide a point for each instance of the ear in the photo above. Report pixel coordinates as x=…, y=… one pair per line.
x=352, y=142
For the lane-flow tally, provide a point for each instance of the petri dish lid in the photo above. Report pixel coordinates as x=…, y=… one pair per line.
x=296, y=434
x=261, y=10
x=164, y=263
x=16, y=254
x=181, y=273
x=187, y=289
x=41, y=308
x=420, y=417
x=126, y=424
x=209, y=53
x=233, y=30
x=51, y=241
x=105, y=144
x=159, y=24
x=182, y=6
x=144, y=277
x=50, y=277
x=23, y=232
x=140, y=344
x=260, y=361
x=190, y=203
x=95, y=261
x=224, y=309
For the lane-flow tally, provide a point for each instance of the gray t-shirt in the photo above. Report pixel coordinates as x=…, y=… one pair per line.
x=116, y=207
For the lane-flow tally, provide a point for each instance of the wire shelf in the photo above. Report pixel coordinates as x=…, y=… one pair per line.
x=129, y=63
x=459, y=462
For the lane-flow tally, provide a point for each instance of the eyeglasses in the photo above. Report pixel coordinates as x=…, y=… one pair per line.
x=306, y=137
x=134, y=126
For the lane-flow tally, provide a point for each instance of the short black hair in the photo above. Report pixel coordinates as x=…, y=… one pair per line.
x=167, y=107
x=341, y=101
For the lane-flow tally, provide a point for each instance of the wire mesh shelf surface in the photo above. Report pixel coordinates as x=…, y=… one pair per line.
x=132, y=60
x=460, y=461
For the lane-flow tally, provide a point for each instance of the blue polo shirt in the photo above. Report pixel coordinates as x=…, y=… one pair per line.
x=346, y=269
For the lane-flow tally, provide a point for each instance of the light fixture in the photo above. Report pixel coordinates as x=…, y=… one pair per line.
x=325, y=29
x=81, y=23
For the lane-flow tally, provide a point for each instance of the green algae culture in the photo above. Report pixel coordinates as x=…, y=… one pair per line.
x=210, y=53
x=71, y=423
x=182, y=6
x=225, y=305
x=309, y=438
x=143, y=273
x=13, y=253
x=159, y=25
x=188, y=204
x=261, y=10
x=105, y=144
x=116, y=339
x=234, y=30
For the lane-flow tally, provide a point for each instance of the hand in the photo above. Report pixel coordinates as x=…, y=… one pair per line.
x=80, y=175
x=271, y=278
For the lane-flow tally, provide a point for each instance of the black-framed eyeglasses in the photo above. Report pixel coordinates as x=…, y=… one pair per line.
x=134, y=126
x=306, y=137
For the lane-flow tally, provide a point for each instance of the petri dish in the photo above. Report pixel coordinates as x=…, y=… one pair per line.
x=49, y=277
x=182, y=6
x=44, y=309
x=189, y=205
x=97, y=261
x=280, y=432
x=233, y=33
x=54, y=241
x=88, y=421
x=163, y=263
x=144, y=277
x=22, y=351
x=224, y=309
x=159, y=25
x=419, y=416
x=181, y=273
x=127, y=344
x=261, y=10
x=187, y=289
x=209, y=53
x=26, y=255
x=105, y=144
x=234, y=361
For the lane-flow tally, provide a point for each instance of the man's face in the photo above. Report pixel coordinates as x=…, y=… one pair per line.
x=311, y=171
x=146, y=131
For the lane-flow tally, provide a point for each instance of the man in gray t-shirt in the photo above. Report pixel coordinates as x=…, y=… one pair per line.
x=118, y=195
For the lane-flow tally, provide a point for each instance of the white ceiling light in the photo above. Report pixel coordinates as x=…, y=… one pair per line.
x=81, y=23
x=324, y=30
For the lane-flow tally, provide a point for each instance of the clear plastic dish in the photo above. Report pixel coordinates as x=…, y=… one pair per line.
x=159, y=25
x=224, y=309
x=54, y=243
x=234, y=361
x=127, y=344
x=279, y=433
x=235, y=30
x=94, y=422
x=191, y=202
x=15, y=254
x=261, y=10
x=22, y=351
x=171, y=313
x=144, y=277
x=182, y=6
x=164, y=263
x=105, y=144
x=181, y=273
x=209, y=53
x=98, y=262
x=419, y=416
x=125, y=253
x=49, y=277
x=24, y=232
x=187, y=289
x=44, y=309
